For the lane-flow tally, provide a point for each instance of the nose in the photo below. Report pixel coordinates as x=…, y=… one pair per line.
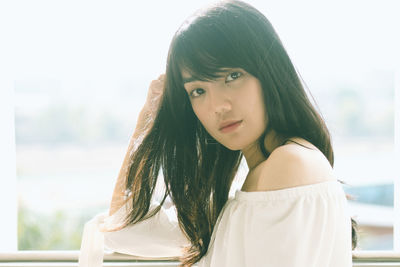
x=220, y=102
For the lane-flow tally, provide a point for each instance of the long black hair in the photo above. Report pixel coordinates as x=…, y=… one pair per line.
x=197, y=175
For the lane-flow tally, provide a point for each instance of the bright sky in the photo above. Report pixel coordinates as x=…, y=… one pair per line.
x=80, y=39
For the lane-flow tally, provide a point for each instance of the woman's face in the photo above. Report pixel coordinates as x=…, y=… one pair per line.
x=230, y=108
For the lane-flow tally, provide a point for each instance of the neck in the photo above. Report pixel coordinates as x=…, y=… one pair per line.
x=253, y=153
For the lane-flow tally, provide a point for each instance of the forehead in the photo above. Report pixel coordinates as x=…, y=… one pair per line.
x=186, y=77
x=185, y=74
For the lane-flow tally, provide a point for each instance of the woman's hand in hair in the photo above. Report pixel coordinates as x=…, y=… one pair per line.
x=144, y=122
x=149, y=110
x=154, y=94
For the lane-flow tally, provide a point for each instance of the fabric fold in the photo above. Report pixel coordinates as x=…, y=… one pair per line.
x=92, y=245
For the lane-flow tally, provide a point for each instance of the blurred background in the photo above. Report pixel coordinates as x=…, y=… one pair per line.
x=80, y=71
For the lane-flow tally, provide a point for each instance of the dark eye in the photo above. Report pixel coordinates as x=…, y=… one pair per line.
x=234, y=75
x=196, y=92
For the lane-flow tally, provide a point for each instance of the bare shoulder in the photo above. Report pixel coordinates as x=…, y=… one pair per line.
x=293, y=165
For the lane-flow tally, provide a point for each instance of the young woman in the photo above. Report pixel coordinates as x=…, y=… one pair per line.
x=230, y=90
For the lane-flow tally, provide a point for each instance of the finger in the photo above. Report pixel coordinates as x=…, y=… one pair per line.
x=156, y=86
x=161, y=77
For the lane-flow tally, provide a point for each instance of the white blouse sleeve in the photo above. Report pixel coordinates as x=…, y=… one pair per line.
x=158, y=236
x=305, y=226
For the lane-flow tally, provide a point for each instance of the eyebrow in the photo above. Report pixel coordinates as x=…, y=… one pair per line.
x=188, y=80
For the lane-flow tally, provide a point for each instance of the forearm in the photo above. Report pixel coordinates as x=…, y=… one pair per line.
x=143, y=125
x=119, y=197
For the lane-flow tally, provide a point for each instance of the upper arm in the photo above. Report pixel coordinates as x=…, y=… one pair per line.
x=291, y=166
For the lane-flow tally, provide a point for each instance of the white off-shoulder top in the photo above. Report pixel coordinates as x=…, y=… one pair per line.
x=304, y=226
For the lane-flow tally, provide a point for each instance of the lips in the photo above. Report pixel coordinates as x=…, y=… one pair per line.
x=227, y=124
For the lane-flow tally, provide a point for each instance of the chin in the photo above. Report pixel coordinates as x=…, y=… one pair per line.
x=232, y=146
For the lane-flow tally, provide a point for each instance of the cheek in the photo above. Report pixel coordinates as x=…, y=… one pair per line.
x=251, y=101
x=258, y=107
x=202, y=115
x=260, y=111
x=256, y=99
x=255, y=108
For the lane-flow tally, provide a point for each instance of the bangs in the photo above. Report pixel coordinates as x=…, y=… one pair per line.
x=205, y=54
x=201, y=65
x=222, y=38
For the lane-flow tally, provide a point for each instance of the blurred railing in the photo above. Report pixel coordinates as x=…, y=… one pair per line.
x=70, y=259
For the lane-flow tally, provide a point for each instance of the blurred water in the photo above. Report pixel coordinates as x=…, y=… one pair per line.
x=89, y=183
